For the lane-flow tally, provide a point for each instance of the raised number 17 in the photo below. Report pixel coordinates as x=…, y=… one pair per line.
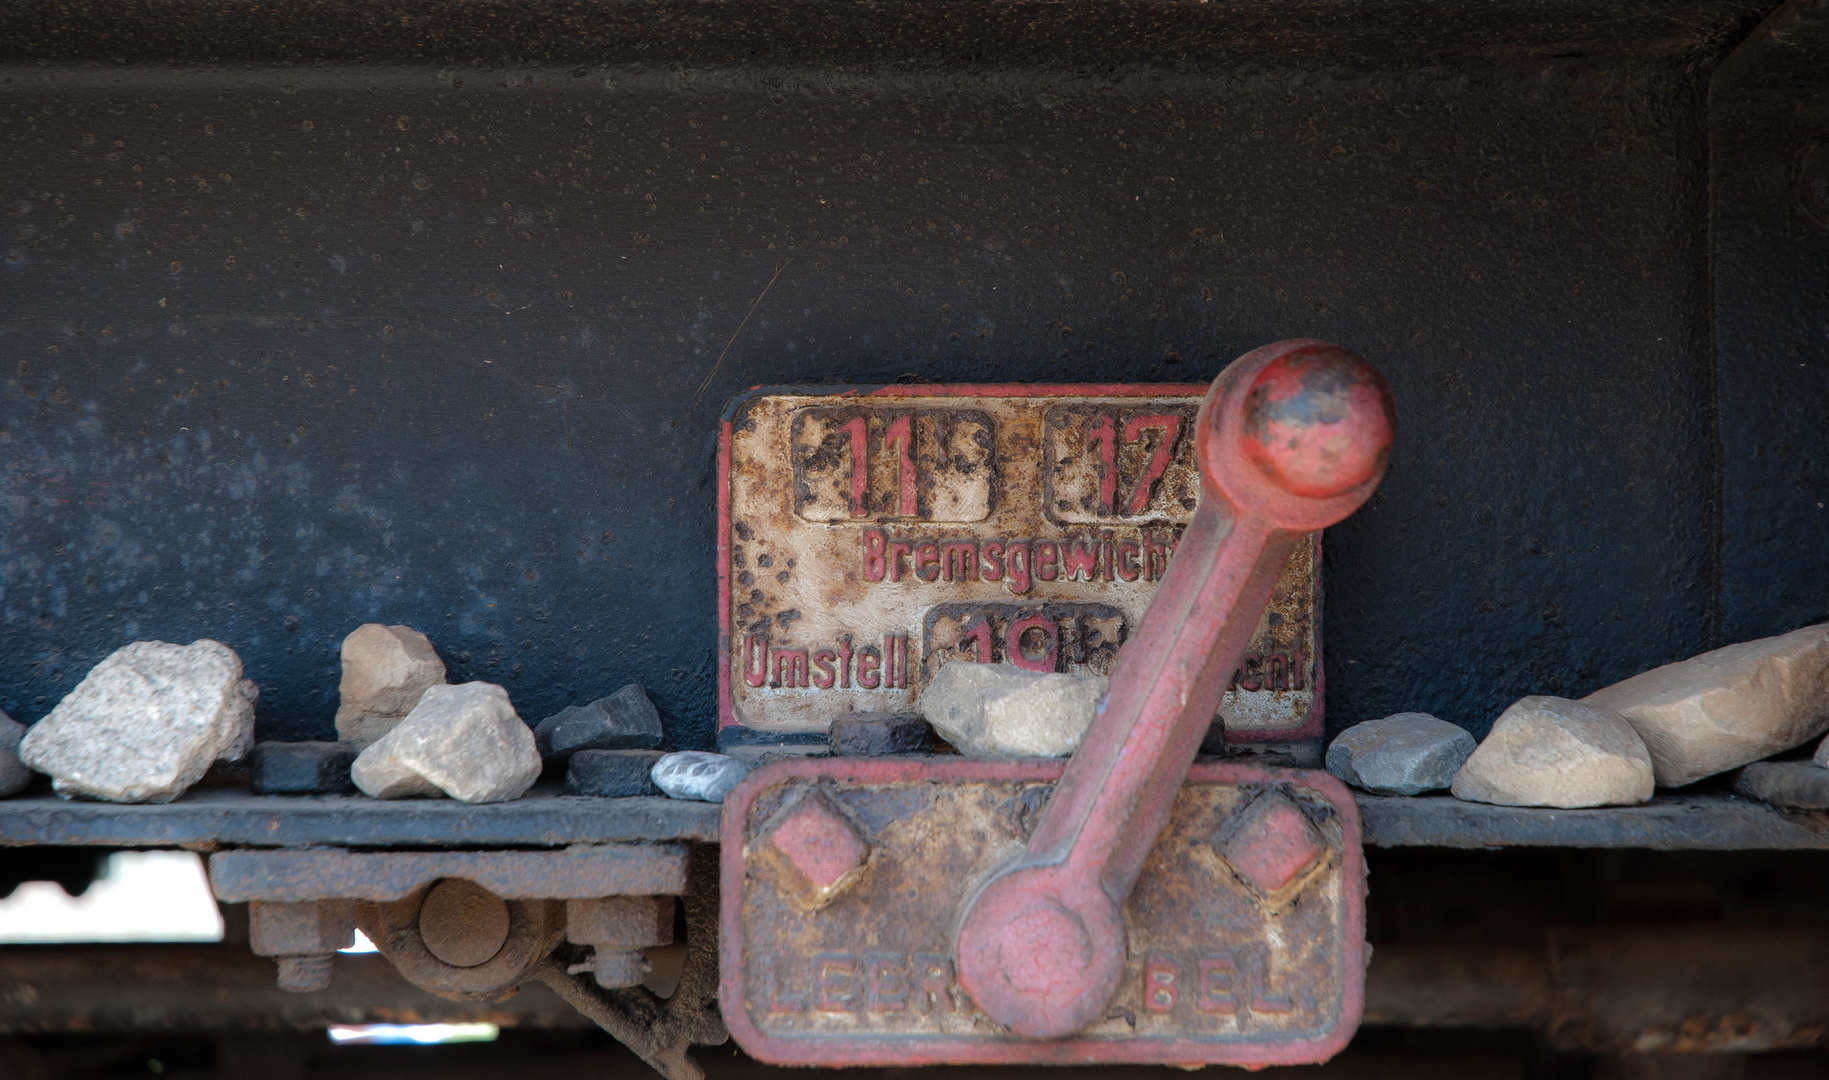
x=1103, y=438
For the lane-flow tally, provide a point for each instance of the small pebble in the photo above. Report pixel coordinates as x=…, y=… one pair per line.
x=1402, y=754
x=612, y=774
x=465, y=741
x=14, y=776
x=301, y=768
x=1799, y=785
x=625, y=720
x=695, y=774
x=877, y=734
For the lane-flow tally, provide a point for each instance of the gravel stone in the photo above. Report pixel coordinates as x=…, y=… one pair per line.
x=1798, y=785
x=1403, y=754
x=465, y=741
x=14, y=776
x=877, y=734
x=146, y=723
x=625, y=720
x=612, y=774
x=1003, y=711
x=1549, y=751
x=385, y=670
x=695, y=774
x=301, y=768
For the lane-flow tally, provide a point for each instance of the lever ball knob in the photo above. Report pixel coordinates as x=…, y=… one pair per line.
x=1318, y=421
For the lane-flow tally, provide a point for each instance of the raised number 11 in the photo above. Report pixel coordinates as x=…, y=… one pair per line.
x=900, y=439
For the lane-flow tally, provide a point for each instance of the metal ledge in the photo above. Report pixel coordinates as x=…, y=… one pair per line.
x=226, y=819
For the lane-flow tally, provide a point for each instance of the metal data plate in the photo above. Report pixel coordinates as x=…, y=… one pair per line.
x=842, y=897
x=867, y=537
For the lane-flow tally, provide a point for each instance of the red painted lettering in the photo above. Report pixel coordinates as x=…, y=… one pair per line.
x=1042, y=659
x=1127, y=560
x=885, y=982
x=1160, y=992
x=1103, y=436
x=869, y=660
x=755, y=659
x=959, y=558
x=1167, y=427
x=927, y=560
x=897, y=549
x=790, y=667
x=1047, y=554
x=1080, y=561
x=1214, y=993
x=993, y=561
x=860, y=468
x=844, y=662
x=901, y=439
x=977, y=635
x=875, y=543
x=823, y=675
x=1019, y=567
x=934, y=971
x=836, y=982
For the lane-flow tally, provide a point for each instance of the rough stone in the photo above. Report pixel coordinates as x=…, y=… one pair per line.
x=14, y=776
x=146, y=723
x=1002, y=711
x=385, y=670
x=1403, y=754
x=1821, y=757
x=301, y=768
x=612, y=774
x=625, y=720
x=1725, y=708
x=465, y=741
x=1549, y=751
x=1799, y=785
x=876, y=734
x=695, y=774
x=756, y=755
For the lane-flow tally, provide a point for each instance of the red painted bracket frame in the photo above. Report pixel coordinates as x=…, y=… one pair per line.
x=839, y=1051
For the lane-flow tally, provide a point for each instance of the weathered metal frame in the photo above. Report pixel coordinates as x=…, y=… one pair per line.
x=1069, y=1051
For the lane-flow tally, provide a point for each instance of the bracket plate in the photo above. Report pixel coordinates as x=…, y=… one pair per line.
x=843, y=879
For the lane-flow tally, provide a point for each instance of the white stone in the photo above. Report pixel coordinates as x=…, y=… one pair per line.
x=1403, y=754
x=1549, y=751
x=385, y=670
x=146, y=723
x=1003, y=711
x=695, y=774
x=465, y=741
x=1723, y=709
x=14, y=776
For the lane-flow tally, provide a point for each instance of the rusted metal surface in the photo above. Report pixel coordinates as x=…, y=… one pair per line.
x=1666, y=823
x=223, y=818
x=463, y=954
x=1292, y=438
x=1234, y=958
x=870, y=535
x=574, y=873
x=1689, y=988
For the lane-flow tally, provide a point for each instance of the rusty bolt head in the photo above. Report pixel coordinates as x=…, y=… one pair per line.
x=1271, y=845
x=820, y=851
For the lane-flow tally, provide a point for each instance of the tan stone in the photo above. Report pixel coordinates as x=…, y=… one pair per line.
x=1002, y=711
x=1725, y=708
x=465, y=741
x=385, y=670
x=1548, y=751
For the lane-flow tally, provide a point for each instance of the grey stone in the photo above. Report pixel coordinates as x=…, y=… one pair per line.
x=1725, y=708
x=1821, y=757
x=146, y=723
x=1799, y=785
x=301, y=768
x=14, y=776
x=465, y=741
x=625, y=720
x=1403, y=754
x=695, y=774
x=612, y=774
x=874, y=734
x=1003, y=711
x=756, y=755
x=1550, y=751
x=385, y=670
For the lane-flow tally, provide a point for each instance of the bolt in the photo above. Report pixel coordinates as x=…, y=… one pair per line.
x=462, y=923
x=305, y=974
